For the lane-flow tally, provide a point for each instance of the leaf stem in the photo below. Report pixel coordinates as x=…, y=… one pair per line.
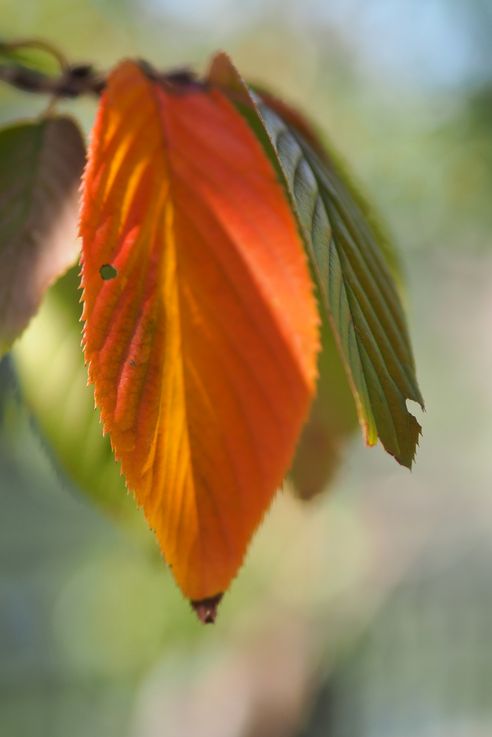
x=37, y=43
x=74, y=80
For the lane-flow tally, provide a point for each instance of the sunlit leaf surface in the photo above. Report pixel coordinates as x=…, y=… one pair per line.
x=353, y=276
x=202, y=345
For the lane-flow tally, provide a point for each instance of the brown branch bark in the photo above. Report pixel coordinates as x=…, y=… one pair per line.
x=74, y=81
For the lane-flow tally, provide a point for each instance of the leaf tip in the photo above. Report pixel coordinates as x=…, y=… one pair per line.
x=406, y=457
x=206, y=609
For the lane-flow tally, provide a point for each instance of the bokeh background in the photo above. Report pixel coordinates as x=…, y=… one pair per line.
x=368, y=610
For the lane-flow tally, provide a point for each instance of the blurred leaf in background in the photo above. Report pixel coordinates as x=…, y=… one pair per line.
x=332, y=420
x=64, y=410
x=41, y=164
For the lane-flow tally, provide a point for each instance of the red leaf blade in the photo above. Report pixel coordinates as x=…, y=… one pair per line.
x=202, y=348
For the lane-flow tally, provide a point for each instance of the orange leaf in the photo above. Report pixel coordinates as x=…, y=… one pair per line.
x=200, y=321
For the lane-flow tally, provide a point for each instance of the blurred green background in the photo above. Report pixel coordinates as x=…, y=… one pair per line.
x=367, y=611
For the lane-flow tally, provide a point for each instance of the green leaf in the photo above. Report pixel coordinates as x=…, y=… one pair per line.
x=297, y=122
x=41, y=165
x=352, y=273
x=64, y=406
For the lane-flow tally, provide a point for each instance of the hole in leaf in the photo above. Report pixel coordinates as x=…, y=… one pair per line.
x=415, y=409
x=107, y=272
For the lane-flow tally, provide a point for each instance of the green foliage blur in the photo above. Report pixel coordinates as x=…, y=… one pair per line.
x=367, y=610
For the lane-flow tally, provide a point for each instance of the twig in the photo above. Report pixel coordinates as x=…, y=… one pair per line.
x=36, y=43
x=74, y=81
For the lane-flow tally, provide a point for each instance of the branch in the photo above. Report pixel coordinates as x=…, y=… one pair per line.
x=74, y=80
x=77, y=80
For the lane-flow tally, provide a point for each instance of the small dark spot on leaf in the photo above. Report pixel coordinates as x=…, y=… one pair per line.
x=132, y=363
x=107, y=272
